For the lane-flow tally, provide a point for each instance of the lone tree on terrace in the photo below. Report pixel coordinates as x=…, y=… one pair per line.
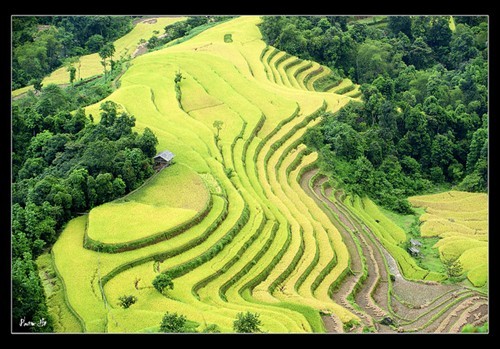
x=247, y=323
x=163, y=282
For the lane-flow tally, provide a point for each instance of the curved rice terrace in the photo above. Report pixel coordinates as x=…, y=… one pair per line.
x=244, y=220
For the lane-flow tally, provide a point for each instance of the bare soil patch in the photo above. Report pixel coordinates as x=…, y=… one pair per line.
x=415, y=304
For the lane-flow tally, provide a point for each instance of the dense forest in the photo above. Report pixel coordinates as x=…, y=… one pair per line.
x=63, y=161
x=69, y=165
x=423, y=123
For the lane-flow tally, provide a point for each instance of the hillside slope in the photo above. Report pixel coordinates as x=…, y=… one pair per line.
x=263, y=245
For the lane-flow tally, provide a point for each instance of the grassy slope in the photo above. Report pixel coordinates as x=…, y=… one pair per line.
x=169, y=199
x=91, y=64
x=460, y=219
x=226, y=82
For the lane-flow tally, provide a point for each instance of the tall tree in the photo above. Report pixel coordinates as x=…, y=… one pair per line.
x=399, y=24
x=173, y=323
x=107, y=51
x=462, y=46
x=247, y=323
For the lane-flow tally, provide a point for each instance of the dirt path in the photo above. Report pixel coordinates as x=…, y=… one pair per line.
x=414, y=306
x=332, y=324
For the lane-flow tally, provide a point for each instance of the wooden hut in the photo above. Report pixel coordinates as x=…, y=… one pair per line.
x=163, y=159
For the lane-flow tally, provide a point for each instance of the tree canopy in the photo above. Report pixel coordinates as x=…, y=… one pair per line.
x=422, y=120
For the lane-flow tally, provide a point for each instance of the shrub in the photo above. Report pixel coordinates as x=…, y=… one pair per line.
x=173, y=323
x=162, y=282
x=212, y=328
x=349, y=325
x=454, y=268
x=367, y=329
x=229, y=172
x=469, y=328
x=126, y=301
x=247, y=323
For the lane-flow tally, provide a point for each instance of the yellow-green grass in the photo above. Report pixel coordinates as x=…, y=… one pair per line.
x=291, y=73
x=390, y=235
x=283, y=73
x=259, y=290
x=320, y=225
x=234, y=76
x=335, y=239
x=173, y=197
x=78, y=266
x=313, y=230
x=63, y=319
x=472, y=217
x=176, y=186
x=131, y=319
x=79, y=271
x=210, y=293
x=267, y=69
x=454, y=247
x=129, y=221
x=321, y=299
x=316, y=76
x=274, y=68
x=21, y=90
x=126, y=45
x=354, y=93
x=345, y=83
x=479, y=275
x=213, y=286
x=297, y=214
x=461, y=220
x=459, y=201
x=437, y=227
x=453, y=27
x=302, y=75
x=223, y=314
x=280, y=267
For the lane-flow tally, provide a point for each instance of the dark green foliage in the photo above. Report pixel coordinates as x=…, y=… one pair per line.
x=72, y=74
x=370, y=329
x=228, y=38
x=454, y=268
x=247, y=323
x=229, y=172
x=163, y=282
x=397, y=24
x=484, y=328
x=349, y=325
x=28, y=305
x=180, y=31
x=153, y=42
x=173, y=323
x=211, y=328
x=64, y=165
x=419, y=126
x=37, y=51
x=126, y=301
x=95, y=43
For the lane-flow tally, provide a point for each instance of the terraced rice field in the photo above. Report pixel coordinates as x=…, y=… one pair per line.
x=460, y=219
x=262, y=231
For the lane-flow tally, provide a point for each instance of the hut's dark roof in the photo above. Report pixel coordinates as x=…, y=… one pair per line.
x=414, y=250
x=415, y=242
x=165, y=155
